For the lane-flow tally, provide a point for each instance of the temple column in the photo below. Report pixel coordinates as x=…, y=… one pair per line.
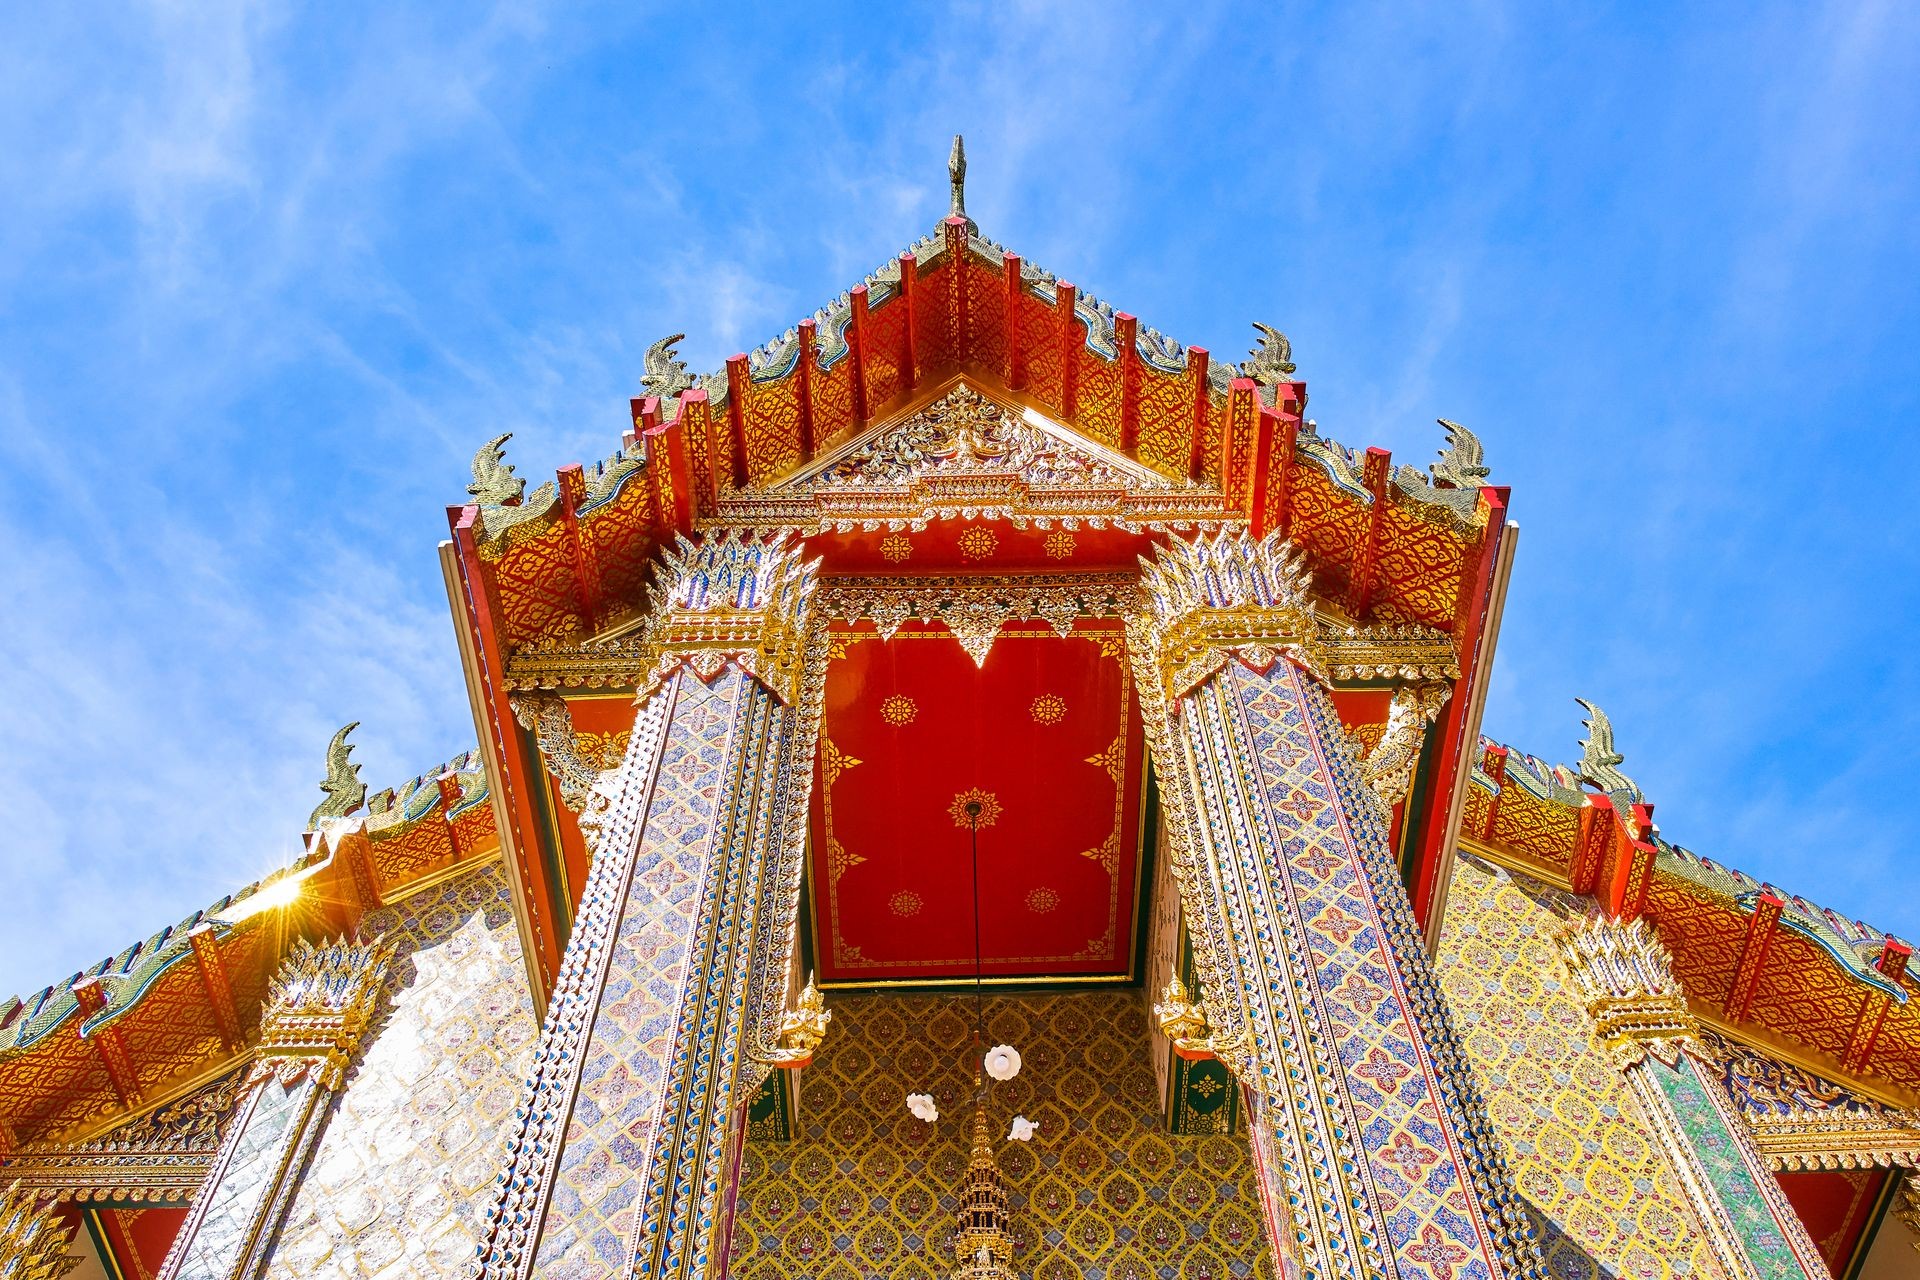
x=317, y=1017
x=670, y=1004
x=1624, y=973
x=1376, y=1154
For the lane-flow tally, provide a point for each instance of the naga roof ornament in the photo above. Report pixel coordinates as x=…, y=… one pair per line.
x=494, y=483
x=342, y=785
x=1462, y=463
x=1599, y=762
x=1272, y=359
x=666, y=374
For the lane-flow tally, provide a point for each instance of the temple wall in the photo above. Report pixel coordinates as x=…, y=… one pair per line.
x=399, y=1181
x=1608, y=1202
x=866, y=1191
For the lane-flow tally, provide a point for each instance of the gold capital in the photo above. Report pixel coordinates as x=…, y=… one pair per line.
x=319, y=1008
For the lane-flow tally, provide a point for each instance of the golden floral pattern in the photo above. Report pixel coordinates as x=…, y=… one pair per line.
x=865, y=1189
x=896, y=547
x=989, y=803
x=978, y=543
x=1059, y=544
x=603, y=750
x=905, y=903
x=1042, y=900
x=1049, y=708
x=1579, y=1145
x=898, y=709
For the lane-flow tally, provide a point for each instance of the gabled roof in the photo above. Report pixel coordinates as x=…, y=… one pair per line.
x=570, y=556
x=1768, y=964
x=126, y=1032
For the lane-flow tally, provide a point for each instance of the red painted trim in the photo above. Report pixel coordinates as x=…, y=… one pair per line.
x=1494, y=765
x=955, y=230
x=1456, y=720
x=1597, y=822
x=909, y=287
x=1374, y=471
x=515, y=767
x=214, y=981
x=449, y=787
x=1070, y=334
x=736, y=416
x=1752, y=964
x=108, y=1045
x=1016, y=367
x=809, y=357
x=1197, y=449
x=572, y=479
x=857, y=348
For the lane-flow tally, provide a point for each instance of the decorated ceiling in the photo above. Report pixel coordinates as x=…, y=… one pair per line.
x=1043, y=736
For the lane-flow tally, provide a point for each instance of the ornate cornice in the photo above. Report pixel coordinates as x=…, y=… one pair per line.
x=319, y=1009
x=974, y=609
x=1801, y=1120
x=966, y=456
x=1624, y=974
x=163, y=1155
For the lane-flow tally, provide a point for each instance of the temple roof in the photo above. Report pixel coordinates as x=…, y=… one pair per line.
x=1769, y=965
x=159, y=1015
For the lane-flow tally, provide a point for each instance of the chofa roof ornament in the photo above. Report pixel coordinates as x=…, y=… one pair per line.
x=1599, y=762
x=957, y=184
x=345, y=792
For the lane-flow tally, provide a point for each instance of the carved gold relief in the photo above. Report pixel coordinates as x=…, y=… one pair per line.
x=1624, y=974
x=33, y=1244
x=319, y=1008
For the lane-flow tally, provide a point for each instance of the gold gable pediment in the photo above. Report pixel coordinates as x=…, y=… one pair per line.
x=964, y=431
x=967, y=453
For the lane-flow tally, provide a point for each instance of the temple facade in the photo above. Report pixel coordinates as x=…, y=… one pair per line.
x=975, y=788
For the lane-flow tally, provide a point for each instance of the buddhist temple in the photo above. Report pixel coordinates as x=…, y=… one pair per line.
x=975, y=788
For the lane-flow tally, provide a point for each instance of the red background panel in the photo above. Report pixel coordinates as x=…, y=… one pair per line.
x=1837, y=1208
x=890, y=873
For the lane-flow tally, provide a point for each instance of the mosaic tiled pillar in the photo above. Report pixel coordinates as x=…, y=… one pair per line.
x=1624, y=973
x=318, y=1013
x=669, y=1006
x=1377, y=1156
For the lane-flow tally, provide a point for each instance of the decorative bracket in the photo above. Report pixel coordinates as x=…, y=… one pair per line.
x=1184, y=1022
x=801, y=1031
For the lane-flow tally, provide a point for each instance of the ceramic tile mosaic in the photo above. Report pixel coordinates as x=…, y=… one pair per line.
x=1341, y=1007
x=1715, y=1147
x=402, y=1171
x=617, y=1113
x=1607, y=1202
x=866, y=1191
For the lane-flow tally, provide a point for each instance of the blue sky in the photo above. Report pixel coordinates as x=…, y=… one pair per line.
x=270, y=274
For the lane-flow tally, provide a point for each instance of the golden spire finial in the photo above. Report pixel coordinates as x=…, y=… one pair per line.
x=957, y=177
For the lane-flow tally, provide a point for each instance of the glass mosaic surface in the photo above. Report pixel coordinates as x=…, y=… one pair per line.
x=1103, y=1192
x=400, y=1179
x=1607, y=1202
